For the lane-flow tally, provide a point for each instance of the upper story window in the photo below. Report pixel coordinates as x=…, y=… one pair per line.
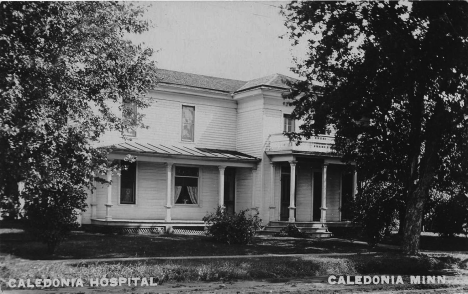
x=288, y=123
x=188, y=123
x=128, y=183
x=130, y=117
x=186, y=185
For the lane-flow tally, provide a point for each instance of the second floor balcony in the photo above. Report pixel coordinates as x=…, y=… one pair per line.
x=279, y=143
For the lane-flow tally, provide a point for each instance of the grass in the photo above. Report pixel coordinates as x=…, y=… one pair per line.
x=17, y=249
x=235, y=269
x=81, y=245
x=432, y=242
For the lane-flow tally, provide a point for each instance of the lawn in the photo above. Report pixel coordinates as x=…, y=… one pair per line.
x=82, y=245
x=21, y=257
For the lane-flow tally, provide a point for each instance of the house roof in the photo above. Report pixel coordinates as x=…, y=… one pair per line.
x=220, y=84
x=166, y=149
x=199, y=81
x=274, y=80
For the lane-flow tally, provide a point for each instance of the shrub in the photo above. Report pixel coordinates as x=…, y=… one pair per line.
x=449, y=216
x=291, y=231
x=238, y=228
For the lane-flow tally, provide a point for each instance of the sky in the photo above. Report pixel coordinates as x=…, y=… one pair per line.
x=235, y=40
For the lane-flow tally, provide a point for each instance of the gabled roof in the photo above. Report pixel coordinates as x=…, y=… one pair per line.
x=199, y=81
x=220, y=84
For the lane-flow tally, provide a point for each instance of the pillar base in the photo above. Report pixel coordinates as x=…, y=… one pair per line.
x=272, y=213
x=168, y=214
x=323, y=217
x=292, y=219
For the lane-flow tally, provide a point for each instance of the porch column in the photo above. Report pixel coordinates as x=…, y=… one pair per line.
x=323, y=218
x=169, y=191
x=292, y=192
x=221, y=185
x=272, y=191
x=253, y=190
x=109, y=196
x=93, y=202
x=354, y=184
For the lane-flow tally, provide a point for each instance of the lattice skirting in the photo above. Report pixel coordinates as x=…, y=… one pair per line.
x=181, y=230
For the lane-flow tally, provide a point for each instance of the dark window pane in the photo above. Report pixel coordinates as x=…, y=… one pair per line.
x=128, y=182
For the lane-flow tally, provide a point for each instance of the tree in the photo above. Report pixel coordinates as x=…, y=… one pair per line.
x=394, y=85
x=63, y=66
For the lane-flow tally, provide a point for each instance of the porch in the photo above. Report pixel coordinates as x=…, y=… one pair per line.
x=171, y=188
x=309, y=185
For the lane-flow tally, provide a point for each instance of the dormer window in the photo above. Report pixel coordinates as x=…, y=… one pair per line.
x=288, y=123
x=129, y=116
x=188, y=123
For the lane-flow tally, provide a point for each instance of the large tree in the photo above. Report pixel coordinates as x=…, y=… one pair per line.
x=394, y=85
x=62, y=67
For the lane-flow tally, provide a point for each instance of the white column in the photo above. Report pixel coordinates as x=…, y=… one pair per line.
x=221, y=185
x=253, y=190
x=292, y=192
x=169, y=191
x=323, y=218
x=93, y=202
x=109, y=196
x=354, y=184
x=272, y=191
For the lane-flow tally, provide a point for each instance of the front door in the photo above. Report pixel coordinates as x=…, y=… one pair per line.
x=346, y=197
x=316, y=212
x=230, y=190
x=285, y=192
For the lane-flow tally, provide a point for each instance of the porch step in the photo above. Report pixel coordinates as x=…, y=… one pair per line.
x=298, y=224
x=313, y=229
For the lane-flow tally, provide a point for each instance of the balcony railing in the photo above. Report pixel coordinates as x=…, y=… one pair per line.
x=320, y=143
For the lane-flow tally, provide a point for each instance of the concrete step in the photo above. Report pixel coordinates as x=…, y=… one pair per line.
x=298, y=224
x=268, y=232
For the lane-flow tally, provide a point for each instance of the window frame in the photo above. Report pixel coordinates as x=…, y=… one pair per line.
x=287, y=117
x=130, y=132
x=135, y=189
x=174, y=176
x=182, y=123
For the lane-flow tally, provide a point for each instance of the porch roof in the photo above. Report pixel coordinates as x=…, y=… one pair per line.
x=181, y=150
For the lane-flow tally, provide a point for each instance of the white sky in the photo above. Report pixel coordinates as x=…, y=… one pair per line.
x=236, y=40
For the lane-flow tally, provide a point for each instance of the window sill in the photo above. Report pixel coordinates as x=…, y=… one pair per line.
x=187, y=205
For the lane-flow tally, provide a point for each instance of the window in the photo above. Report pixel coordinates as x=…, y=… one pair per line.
x=188, y=123
x=288, y=123
x=128, y=182
x=186, y=185
x=129, y=115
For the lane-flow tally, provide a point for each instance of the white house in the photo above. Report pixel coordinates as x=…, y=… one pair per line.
x=214, y=141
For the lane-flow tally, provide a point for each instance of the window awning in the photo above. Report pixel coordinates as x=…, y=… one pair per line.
x=180, y=151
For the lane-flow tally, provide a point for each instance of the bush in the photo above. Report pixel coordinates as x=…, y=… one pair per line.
x=449, y=215
x=238, y=228
x=375, y=209
x=51, y=218
x=291, y=231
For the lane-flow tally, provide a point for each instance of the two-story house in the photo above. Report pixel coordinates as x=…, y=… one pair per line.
x=214, y=141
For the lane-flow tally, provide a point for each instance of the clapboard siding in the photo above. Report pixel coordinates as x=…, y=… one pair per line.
x=250, y=126
x=303, y=193
x=333, y=192
x=243, y=188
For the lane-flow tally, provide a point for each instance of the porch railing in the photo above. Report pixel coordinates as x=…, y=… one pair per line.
x=320, y=143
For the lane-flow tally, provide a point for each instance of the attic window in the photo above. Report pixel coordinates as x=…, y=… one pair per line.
x=130, y=117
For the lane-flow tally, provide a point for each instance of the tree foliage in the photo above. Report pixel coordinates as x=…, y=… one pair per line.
x=63, y=66
x=393, y=82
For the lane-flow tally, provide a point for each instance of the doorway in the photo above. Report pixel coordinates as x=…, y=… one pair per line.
x=285, y=192
x=230, y=190
x=316, y=212
x=347, y=180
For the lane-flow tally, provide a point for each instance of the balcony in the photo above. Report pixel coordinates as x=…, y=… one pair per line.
x=279, y=143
